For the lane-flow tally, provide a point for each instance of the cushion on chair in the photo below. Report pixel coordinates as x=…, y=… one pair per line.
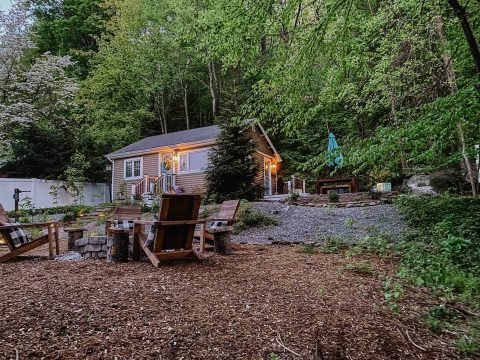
x=151, y=234
x=18, y=236
x=150, y=237
x=217, y=224
x=123, y=224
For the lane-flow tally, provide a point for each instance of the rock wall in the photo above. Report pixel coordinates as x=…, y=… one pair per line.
x=92, y=246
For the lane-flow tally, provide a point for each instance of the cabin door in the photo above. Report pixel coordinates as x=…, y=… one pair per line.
x=166, y=170
x=166, y=163
x=267, y=176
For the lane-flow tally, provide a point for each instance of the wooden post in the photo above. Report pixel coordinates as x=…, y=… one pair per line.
x=136, y=244
x=50, y=241
x=74, y=234
x=57, y=239
x=117, y=246
x=202, y=238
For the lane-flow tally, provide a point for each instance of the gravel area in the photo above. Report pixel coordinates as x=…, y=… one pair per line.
x=312, y=224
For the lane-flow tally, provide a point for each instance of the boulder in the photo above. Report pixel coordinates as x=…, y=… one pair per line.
x=420, y=185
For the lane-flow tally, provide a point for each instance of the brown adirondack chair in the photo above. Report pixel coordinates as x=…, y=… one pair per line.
x=225, y=215
x=172, y=234
x=15, y=250
x=124, y=213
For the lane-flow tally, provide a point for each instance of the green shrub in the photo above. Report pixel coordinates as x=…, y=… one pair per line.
x=71, y=211
x=333, y=197
x=310, y=249
x=443, y=251
x=334, y=244
x=248, y=217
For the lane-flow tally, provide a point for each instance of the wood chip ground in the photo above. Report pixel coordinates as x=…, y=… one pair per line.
x=256, y=303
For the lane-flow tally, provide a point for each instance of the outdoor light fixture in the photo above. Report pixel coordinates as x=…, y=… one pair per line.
x=175, y=157
x=274, y=167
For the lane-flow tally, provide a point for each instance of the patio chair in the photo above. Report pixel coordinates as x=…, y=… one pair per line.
x=18, y=242
x=224, y=219
x=171, y=236
x=123, y=217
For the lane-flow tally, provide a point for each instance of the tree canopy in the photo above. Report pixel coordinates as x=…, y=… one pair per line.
x=397, y=81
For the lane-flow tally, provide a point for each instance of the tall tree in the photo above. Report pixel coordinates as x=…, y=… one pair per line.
x=35, y=104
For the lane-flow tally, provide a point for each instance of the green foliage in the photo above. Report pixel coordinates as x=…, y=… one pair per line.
x=75, y=176
x=71, y=211
x=334, y=245
x=443, y=252
x=293, y=196
x=393, y=292
x=248, y=217
x=310, y=249
x=232, y=170
x=333, y=197
x=70, y=27
x=363, y=267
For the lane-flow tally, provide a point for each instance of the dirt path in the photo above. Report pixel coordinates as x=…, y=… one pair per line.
x=258, y=302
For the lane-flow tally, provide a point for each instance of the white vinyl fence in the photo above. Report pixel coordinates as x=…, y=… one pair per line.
x=39, y=191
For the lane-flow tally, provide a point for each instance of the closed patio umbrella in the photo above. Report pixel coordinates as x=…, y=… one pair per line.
x=335, y=157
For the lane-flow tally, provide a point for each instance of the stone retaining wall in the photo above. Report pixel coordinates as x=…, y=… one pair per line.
x=92, y=246
x=96, y=247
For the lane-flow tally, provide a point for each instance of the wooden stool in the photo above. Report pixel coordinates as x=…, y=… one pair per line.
x=222, y=240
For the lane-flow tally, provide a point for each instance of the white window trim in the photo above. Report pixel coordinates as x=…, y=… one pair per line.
x=265, y=160
x=188, y=160
x=125, y=169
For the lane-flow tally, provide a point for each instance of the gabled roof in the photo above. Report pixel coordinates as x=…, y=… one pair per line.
x=203, y=134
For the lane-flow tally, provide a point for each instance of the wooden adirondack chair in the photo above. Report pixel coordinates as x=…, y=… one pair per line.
x=14, y=251
x=226, y=215
x=124, y=213
x=173, y=232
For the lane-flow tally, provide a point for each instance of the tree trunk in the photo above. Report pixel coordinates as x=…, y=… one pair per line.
x=452, y=83
x=461, y=14
x=164, y=117
x=214, y=91
x=185, y=104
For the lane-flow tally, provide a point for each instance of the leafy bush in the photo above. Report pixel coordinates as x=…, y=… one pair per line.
x=248, y=217
x=443, y=251
x=71, y=211
x=333, y=197
x=310, y=249
x=334, y=244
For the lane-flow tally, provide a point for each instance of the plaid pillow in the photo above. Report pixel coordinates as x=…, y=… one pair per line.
x=18, y=236
x=151, y=234
x=217, y=224
x=123, y=224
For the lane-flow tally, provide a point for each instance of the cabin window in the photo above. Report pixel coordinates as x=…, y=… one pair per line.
x=132, y=168
x=193, y=161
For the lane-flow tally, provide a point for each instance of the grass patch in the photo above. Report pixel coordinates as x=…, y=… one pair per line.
x=334, y=245
x=362, y=267
x=310, y=249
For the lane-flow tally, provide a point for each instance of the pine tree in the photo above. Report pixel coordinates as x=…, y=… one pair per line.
x=231, y=171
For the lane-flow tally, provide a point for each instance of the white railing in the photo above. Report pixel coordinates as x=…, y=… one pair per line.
x=153, y=185
x=296, y=184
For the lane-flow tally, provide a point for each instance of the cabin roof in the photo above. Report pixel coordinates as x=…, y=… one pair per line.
x=202, y=134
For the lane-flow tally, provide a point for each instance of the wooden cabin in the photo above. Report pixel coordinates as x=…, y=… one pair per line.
x=162, y=163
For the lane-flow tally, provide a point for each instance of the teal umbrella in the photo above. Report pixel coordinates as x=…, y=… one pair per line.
x=335, y=157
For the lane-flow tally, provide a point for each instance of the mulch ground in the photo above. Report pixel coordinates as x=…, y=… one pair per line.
x=271, y=302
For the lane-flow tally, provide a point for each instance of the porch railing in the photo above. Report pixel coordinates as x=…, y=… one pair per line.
x=295, y=184
x=153, y=185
